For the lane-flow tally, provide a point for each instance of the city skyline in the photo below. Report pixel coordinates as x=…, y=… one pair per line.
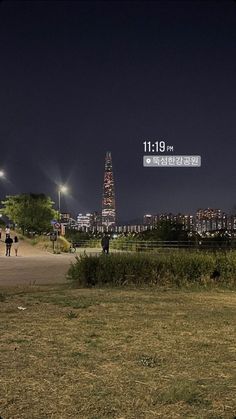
x=152, y=219
x=110, y=76
x=206, y=221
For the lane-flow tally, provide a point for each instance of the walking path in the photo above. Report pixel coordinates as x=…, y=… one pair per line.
x=35, y=266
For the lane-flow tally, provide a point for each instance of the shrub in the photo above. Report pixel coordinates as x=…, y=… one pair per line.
x=63, y=244
x=178, y=268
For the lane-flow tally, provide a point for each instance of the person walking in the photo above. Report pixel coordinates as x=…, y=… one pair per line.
x=8, y=243
x=105, y=244
x=16, y=244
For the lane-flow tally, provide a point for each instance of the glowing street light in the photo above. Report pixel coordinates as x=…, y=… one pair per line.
x=62, y=189
x=2, y=173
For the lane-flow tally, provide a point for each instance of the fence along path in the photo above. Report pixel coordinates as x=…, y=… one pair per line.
x=142, y=245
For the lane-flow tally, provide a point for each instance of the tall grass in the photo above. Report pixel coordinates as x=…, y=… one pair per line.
x=177, y=268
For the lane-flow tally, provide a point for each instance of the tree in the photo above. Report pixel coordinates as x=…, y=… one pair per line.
x=166, y=231
x=31, y=212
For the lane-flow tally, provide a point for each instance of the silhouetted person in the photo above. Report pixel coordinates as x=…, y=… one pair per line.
x=8, y=242
x=105, y=244
x=16, y=244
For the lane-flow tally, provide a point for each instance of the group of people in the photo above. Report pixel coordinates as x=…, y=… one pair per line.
x=9, y=241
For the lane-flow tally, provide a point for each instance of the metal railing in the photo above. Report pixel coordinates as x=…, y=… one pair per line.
x=142, y=246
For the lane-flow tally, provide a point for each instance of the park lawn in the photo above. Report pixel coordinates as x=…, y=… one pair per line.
x=117, y=353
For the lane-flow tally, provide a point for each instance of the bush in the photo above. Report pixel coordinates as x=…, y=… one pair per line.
x=63, y=244
x=179, y=268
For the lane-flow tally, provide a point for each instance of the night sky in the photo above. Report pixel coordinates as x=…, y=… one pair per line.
x=80, y=78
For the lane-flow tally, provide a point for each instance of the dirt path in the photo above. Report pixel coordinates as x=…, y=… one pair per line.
x=43, y=269
x=34, y=266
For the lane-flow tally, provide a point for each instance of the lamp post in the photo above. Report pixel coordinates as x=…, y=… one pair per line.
x=61, y=189
x=2, y=176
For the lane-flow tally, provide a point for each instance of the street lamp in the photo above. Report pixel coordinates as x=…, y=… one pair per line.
x=61, y=189
x=2, y=176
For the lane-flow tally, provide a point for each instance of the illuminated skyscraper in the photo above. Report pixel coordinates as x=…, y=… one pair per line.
x=108, y=197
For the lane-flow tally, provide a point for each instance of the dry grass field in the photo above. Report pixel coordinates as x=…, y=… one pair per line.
x=117, y=353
